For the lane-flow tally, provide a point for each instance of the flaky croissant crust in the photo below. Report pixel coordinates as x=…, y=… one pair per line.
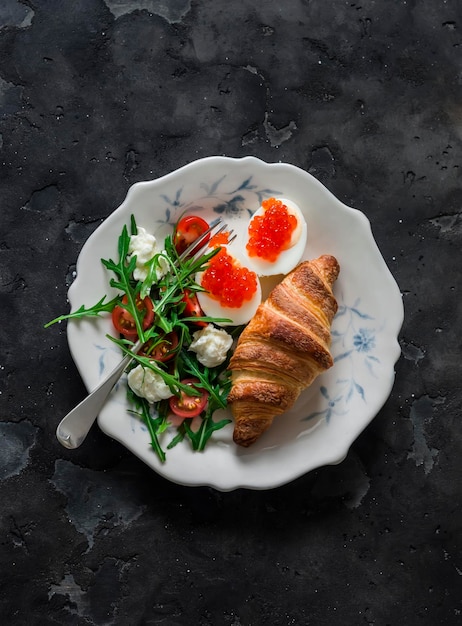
x=283, y=348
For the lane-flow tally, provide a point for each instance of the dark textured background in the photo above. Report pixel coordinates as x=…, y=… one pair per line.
x=96, y=95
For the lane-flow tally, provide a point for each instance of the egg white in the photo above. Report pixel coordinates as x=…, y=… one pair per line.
x=287, y=259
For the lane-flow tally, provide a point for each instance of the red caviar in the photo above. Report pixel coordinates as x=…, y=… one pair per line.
x=220, y=239
x=270, y=233
x=229, y=283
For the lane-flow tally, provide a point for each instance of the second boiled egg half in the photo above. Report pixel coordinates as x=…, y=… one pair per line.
x=276, y=238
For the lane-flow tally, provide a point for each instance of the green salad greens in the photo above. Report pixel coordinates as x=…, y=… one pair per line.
x=161, y=310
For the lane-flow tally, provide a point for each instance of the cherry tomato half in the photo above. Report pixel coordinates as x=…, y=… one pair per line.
x=192, y=307
x=188, y=229
x=189, y=406
x=161, y=349
x=124, y=322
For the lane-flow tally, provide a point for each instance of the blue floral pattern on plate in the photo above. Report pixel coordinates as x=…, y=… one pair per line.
x=353, y=340
x=229, y=202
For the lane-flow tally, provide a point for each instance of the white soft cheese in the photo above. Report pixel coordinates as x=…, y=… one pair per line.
x=211, y=345
x=148, y=384
x=145, y=247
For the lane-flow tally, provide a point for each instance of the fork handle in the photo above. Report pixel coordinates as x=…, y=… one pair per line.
x=73, y=429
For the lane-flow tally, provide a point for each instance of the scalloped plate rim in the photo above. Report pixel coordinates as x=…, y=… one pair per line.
x=341, y=447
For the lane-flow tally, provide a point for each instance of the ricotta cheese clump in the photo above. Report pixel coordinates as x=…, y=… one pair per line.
x=148, y=384
x=211, y=345
x=145, y=247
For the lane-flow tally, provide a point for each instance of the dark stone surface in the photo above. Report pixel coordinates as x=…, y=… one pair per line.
x=96, y=95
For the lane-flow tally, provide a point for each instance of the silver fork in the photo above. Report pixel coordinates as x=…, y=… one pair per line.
x=75, y=426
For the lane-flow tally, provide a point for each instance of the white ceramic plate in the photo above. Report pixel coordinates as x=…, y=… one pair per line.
x=328, y=416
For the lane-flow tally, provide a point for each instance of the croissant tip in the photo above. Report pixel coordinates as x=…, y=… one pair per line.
x=243, y=441
x=247, y=431
x=329, y=265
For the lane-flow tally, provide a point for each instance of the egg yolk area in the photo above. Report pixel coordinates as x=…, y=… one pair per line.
x=271, y=233
x=228, y=282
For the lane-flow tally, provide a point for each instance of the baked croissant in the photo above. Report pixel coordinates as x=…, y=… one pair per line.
x=283, y=348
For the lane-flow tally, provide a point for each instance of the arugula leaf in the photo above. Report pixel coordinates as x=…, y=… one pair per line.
x=152, y=266
x=179, y=437
x=133, y=226
x=100, y=307
x=155, y=425
x=215, y=380
x=123, y=270
x=200, y=438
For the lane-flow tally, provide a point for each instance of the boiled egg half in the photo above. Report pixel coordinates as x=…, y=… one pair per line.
x=276, y=238
x=233, y=291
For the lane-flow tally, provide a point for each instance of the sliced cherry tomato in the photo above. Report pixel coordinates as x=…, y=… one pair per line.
x=193, y=308
x=161, y=349
x=124, y=322
x=188, y=406
x=188, y=229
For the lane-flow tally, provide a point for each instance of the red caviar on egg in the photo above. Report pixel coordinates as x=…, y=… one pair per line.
x=271, y=232
x=220, y=239
x=228, y=282
x=276, y=238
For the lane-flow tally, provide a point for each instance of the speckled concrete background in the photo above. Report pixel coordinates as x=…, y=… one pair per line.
x=96, y=95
